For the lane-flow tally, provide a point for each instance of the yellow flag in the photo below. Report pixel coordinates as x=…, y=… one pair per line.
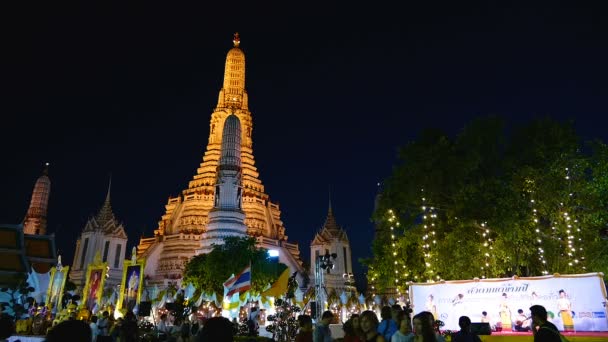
x=279, y=287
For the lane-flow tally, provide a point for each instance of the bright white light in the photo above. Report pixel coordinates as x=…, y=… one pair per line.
x=273, y=253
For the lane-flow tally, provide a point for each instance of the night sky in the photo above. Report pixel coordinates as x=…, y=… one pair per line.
x=129, y=89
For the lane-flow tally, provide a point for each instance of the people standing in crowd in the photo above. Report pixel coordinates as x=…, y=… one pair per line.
x=388, y=326
x=115, y=329
x=543, y=331
x=129, y=329
x=423, y=329
x=94, y=329
x=7, y=327
x=352, y=329
x=163, y=327
x=70, y=330
x=322, y=332
x=405, y=328
x=369, y=327
x=465, y=334
x=185, y=330
x=216, y=329
x=103, y=325
x=305, y=331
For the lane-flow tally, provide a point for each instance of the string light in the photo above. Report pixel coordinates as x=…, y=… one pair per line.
x=486, y=249
x=429, y=239
x=539, y=241
x=571, y=232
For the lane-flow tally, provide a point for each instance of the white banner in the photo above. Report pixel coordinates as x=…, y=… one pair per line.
x=573, y=302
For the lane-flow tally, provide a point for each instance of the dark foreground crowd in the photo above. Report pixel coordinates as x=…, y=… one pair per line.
x=395, y=326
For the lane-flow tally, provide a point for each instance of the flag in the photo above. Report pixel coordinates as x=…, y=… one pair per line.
x=239, y=283
x=279, y=287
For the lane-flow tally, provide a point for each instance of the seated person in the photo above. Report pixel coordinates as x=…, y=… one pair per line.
x=522, y=323
x=486, y=319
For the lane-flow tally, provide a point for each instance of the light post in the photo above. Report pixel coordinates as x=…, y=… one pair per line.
x=324, y=263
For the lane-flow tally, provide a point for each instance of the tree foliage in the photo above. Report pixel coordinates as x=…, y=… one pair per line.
x=492, y=202
x=208, y=272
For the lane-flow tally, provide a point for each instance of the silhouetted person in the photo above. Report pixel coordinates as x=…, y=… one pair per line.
x=128, y=331
x=7, y=327
x=547, y=332
x=217, y=329
x=465, y=334
x=71, y=330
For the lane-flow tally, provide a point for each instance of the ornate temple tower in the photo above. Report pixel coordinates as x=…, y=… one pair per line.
x=333, y=239
x=180, y=231
x=227, y=217
x=102, y=234
x=34, y=222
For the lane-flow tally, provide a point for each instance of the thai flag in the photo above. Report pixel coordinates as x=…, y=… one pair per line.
x=239, y=283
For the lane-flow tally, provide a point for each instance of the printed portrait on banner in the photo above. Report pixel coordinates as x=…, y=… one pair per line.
x=55, y=290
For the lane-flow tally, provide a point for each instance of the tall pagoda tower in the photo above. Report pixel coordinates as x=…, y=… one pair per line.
x=181, y=230
x=34, y=222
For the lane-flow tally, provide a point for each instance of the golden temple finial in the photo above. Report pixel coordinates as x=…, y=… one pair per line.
x=236, y=39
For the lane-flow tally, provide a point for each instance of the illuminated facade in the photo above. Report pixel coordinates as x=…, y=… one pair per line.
x=333, y=239
x=102, y=234
x=181, y=230
x=34, y=222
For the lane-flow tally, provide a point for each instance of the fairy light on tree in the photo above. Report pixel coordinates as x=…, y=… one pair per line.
x=486, y=249
x=571, y=231
x=539, y=242
x=429, y=239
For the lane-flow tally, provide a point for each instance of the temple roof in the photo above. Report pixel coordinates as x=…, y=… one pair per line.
x=330, y=231
x=105, y=220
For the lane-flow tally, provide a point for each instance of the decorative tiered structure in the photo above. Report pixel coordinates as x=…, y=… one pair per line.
x=34, y=222
x=227, y=217
x=333, y=239
x=180, y=231
x=105, y=235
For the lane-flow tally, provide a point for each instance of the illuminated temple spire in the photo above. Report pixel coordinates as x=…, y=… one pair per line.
x=233, y=94
x=35, y=219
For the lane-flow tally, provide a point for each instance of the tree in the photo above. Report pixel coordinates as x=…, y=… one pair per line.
x=208, y=272
x=490, y=204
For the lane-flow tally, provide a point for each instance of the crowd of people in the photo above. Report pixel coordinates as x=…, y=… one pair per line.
x=394, y=325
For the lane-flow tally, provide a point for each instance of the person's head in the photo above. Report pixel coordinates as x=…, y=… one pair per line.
x=94, y=319
x=349, y=329
x=520, y=311
x=163, y=317
x=70, y=330
x=562, y=293
x=429, y=316
x=504, y=295
x=395, y=309
x=404, y=322
x=464, y=322
x=386, y=313
x=254, y=309
x=217, y=329
x=356, y=321
x=431, y=297
x=305, y=322
x=106, y=314
x=130, y=316
x=484, y=313
x=369, y=321
x=539, y=314
x=327, y=317
x=7, y=327
x=423, y=327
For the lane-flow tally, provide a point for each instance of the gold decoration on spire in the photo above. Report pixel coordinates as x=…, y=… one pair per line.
x=236, y=40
